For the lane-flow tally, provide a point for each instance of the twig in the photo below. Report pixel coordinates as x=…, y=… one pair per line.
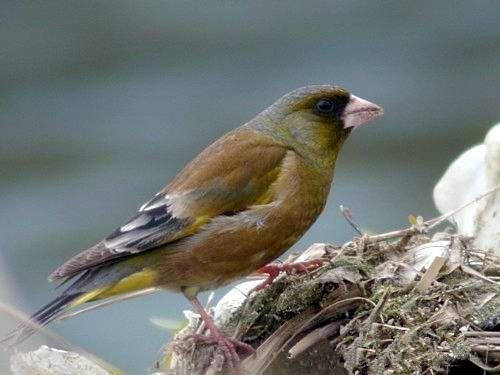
x=346, y=212
x=327, y=309
x=314, y=337
x=378, y=307
x=482, y=365
x=434, y=222
x=430, y=274
x=481, y=334
x=376, y=325
x=271, y=348
x=473, y=272
x=485, y=348
x=426, y=225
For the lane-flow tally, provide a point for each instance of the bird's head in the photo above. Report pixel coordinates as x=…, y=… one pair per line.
x=316, y=120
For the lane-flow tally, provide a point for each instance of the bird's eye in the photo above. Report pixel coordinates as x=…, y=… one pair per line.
x=325, y=106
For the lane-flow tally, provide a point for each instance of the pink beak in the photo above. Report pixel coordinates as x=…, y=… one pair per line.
x=358, y=111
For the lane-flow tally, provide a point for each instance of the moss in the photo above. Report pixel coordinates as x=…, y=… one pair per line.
x=486, y=315
x=459, y=352
x=298, y=297
x=366, y=266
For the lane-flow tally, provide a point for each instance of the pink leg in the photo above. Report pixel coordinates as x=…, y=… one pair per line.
x=273, y=270
x=226, y=344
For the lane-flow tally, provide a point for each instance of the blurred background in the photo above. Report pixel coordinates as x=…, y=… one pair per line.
x=102, y=102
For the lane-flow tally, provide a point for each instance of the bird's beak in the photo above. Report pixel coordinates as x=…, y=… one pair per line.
x=358, y=111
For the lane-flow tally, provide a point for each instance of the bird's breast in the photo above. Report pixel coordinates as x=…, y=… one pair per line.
x=229, y=247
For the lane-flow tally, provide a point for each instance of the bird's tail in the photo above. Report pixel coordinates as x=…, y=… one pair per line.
x=42, y=317
x=47, y=314
x=90, y=286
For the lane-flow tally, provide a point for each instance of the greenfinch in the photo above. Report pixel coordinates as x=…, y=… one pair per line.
x=240, y=204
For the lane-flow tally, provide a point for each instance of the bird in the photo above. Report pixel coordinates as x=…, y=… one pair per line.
x=235, y=208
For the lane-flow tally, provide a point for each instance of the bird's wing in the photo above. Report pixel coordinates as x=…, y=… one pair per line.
x=232, y=174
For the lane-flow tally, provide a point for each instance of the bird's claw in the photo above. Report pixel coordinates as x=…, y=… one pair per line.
x=227, y=345
x=273, y=270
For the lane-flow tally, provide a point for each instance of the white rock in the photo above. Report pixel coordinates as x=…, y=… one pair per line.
x=315, y=251
x=232, y=300
x=462, y=182
x=474, y=172
x=45, y=361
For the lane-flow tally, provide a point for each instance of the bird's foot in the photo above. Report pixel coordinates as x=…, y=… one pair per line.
x=273, y=270
x=227, y=345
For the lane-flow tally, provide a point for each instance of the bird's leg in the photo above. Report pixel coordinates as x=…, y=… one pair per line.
x=228, y=345
x=273, y=270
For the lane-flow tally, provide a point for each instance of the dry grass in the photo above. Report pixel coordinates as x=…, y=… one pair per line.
x=406, y=303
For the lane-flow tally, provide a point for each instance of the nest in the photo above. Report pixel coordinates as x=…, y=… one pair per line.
x=404, y=302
